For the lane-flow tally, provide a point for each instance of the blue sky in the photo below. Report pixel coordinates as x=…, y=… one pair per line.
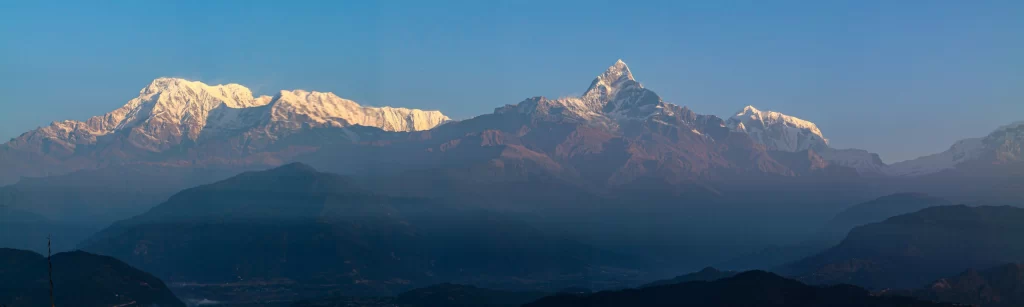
x=901, y=78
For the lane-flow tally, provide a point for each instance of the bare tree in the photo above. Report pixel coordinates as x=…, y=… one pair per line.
x=49, y=253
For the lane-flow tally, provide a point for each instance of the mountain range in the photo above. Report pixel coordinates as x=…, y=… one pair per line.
x=618, y=150
x=213, y=188
x=179, y=122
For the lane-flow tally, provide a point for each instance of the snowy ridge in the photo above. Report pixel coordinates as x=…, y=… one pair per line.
x=781, y=132
x=297, y=107
x=858, y=159
x=778, y=131
x=171, y=110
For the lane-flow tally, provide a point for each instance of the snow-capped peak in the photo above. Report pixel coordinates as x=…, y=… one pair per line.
x=613, y=95
x=778, y=131
x=171, y=110
x=614, y=77
x=781, y=132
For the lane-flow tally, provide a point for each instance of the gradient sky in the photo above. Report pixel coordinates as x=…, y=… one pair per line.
x=901, y=78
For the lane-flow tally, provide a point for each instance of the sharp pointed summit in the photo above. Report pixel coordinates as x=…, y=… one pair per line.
x=616, y=76
x=613, y=95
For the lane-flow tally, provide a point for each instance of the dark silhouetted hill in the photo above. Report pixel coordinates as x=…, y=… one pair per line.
x=707, y=274
x=80, y=279
x=876, y=211
x=910, y=250
x=295, y=225
x=1001, y=286
x=753, y=288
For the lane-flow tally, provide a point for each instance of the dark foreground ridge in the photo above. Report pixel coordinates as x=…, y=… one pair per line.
x=79, y=279
x=1001, y=286
x=753, y=288
x=911, y=250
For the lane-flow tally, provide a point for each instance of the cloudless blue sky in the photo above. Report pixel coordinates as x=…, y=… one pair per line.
x=901, y=78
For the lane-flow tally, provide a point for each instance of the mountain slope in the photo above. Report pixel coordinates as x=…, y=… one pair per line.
x=878, y=210
x=910, y=250
x=24, y=230
x=79, y=279
x=1002, y=146
x=298, y=225
x=706, y=274
x=104, y=195
x=753, y=288
x=1001, y=286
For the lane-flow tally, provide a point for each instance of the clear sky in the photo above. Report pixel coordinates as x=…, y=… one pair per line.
x=901, y=78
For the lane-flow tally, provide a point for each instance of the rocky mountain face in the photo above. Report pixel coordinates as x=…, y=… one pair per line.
x=79, y=279
x=913, y=249
x=171, y=116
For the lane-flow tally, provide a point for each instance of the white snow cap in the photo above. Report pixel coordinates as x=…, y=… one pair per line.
x=778, y=131
x=614, y=94
x=169, y=110
x=613, y=76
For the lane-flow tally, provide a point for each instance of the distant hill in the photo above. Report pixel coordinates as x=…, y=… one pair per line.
x=296, y=226
x=910, y=250
x=878, y=210
x=446, y=295
x=105, y=195
x=707, y=274
x=452, y=295
x=834, y=230
x=753, y=288
x=1001, y=286
x=79, y=279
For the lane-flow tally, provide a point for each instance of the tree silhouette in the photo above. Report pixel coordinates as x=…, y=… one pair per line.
x=49, y=254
